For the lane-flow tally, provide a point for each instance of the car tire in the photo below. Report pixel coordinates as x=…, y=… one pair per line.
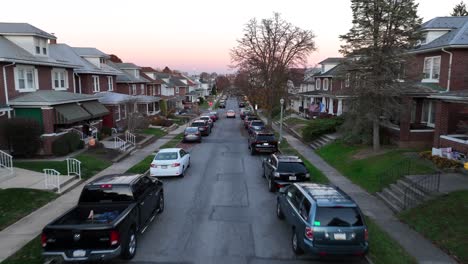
x=130, y=247
x=188, y=166
x=295, y=244
x=271, y=186
x=279, y=212
x=161, y=203
x=183, y=172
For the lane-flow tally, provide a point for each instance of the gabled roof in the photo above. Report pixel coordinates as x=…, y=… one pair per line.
x=11, y=52
x=67, y=53
x=331, y=60
x=457, y=35
x=125, y=77
x=332, y=72
x=90, y=52
x=127, y=66
x=23, y=29
x=47, y=97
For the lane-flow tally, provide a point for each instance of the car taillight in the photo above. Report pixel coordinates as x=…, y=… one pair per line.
x=309, y=232
x=366, y=234
x=153, y=165
x=43, y=240
x=114, y=237
x=175, y=164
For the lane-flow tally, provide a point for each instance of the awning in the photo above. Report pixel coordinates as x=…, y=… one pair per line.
x=70, y=113
x=95, y=108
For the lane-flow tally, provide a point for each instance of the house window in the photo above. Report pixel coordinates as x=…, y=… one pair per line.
x=177, y=90
x=142, y=88
x=134, y=89
x=25, y=78
x=325, y=84
x=102, y=61
x=60, y=79
x=432, y=68
x=41, y=45
x=347, y=80
x=317, y=84
x=428, y=114
x=110, y=83
x=44, y=51
x=96, y=86
x=124, y=111
x=117, y=113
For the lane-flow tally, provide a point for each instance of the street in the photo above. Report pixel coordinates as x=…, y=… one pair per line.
x=221, y=211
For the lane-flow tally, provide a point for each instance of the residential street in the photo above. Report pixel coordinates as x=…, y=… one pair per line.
x=221, y=211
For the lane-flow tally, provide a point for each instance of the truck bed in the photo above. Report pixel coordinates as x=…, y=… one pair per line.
x=92, y=214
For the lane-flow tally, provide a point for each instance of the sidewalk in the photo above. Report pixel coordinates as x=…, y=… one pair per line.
x=414, y=243
x=20, y=233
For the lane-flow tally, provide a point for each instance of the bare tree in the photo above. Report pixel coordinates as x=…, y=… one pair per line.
x=267, y=50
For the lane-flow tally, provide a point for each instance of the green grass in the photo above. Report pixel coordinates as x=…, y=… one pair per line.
x=31, y=253
x=90, y=165
x=16, y=203
x=173, y=142
x=444, y=221
x=383, y=249
x=205, y=105
x=365, y=172
x=154, y=131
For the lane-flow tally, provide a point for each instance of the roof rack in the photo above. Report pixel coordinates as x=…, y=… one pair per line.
x=327, y=192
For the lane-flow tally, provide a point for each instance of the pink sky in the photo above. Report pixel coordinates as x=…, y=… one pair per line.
x=191, y=36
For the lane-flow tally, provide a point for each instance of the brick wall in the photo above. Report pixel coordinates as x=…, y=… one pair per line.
x=459, y=78
x=48, y=120
x=441, y=121
x=460, y=147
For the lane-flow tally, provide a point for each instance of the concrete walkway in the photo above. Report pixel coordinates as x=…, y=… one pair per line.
x=19, y=234
x=28, y=179
x=415, y=244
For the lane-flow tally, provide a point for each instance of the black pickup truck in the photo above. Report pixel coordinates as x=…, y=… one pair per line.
x=111, y=212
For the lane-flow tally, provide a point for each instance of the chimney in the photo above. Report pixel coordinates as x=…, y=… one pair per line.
x=53, y=41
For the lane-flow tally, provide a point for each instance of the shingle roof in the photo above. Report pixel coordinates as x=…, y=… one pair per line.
x=423, y=89
x=332, y=60
x=23, y=29
x=460, y=95
x=146, y=99
x=113, y=98
x=127, y=65
x=125, y=77
x=457, y=36
x=332, y=72
x=90, y=52
x=44, y=97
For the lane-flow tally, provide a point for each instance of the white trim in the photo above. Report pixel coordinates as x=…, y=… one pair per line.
x=110, y=83
x=327, y=82
x=318, y=84
x=452, y=138
x=118, y=111
x=431, y=68
x=125, y=111
x=421, y=130
x=96, y=85
x=65, y=79
x=35, y=76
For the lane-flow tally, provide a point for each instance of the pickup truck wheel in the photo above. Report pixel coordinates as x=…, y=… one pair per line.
x=129, y=249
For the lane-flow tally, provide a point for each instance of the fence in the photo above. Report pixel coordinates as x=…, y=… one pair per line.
x=129, y=137
x=119, y=143
x=74, y=167
x=52, y=179
x=399, y=170
x=6, y=161
x=418, y=190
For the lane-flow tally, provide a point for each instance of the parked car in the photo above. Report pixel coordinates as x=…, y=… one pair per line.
x=222, y=104
x=325, y=221
x=249, y=118
x=170, y=162
x=111, y=212
x=241, y=104
x=230, y=114
x=207, y=118
x=192, y=134
x=255, y=125
x=244, y=112
x=214, y=116
x=262, y=141
x=281, y=170
x=203, y=126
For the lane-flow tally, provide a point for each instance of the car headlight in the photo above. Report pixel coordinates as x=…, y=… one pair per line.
x=276, y=174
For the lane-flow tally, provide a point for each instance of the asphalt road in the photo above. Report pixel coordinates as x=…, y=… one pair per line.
x=221, y=211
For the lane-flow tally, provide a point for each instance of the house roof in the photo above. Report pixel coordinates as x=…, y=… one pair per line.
x=457, y=36
x=456, y=96
x=24, y=29
x=47, y=97
x=11, y=52
x=65, y=52
x=146, y=99
x=423, y=89
x=113, y=98
x=90, y=52
x=332, y=60
x=125, y=77
x=332, y=72
x=127, y=66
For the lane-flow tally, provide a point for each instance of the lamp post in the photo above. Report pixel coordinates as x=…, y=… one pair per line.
x=281, y=120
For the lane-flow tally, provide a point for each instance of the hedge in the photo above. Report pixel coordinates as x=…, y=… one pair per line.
x=319, y=127
x=23, y=136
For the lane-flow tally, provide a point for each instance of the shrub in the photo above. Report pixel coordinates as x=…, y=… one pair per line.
x=163, y=107
x=202, y=100
x=73, y=140
x=23, y=136
x=317, y=128
x=60, y=146
x=159, y=121
x=106, y=131
x=81, y=145
x=440, y=162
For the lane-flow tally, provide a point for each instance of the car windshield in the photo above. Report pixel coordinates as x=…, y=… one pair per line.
x=257, y=123
x=205, y=117
x=294, y=167
x=252, y=118
x=266, y=138
x=338, y=216
x=198, y=124
x=191, y=130
x=96, y=194
x=166, y=156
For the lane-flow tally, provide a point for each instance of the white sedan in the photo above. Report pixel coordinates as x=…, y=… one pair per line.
x=231, y=114
x=170, y=162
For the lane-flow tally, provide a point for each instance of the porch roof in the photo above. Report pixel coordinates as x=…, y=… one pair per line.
x=147, y=99
x=95, y=108
x=423, y=89
x=455, y=96
x=48, y=98
x=113, y=98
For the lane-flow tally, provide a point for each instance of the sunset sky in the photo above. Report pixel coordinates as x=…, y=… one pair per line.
x=192, y=36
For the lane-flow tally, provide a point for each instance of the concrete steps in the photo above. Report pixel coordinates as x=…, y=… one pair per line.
x=322, y=141
x=69, y=184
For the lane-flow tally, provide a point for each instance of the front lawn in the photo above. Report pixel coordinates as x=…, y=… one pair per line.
x=31, y=253
x=444, y=221
x=205, y=105
x=383, y=249
x=91, y=164
x=16, y=203
x=157, y=132
x=173, y=142
x=365, y=171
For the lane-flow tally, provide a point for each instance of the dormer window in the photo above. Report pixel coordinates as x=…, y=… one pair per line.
x=40, y=45
x=136, y=73
x=323, y=68
x=102, y=60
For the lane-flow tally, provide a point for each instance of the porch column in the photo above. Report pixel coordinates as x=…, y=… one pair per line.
x=48, y=120
x=339, y=111
x=405, y=119
x=147, y=109
x=330, y=106
x=441, y=121
x=324, y=102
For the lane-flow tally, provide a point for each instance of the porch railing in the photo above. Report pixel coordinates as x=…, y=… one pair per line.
x=417, y=191
x=6, y=162
x=80, y=133
x=74, y=167
x=52, y=179
x=94, y=131
x=400, y=169
x=130, y=137
x=119, y=143
x=114, y=131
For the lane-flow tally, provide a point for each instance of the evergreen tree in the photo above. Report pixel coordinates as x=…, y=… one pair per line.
x=376, y=45
x=459, y=10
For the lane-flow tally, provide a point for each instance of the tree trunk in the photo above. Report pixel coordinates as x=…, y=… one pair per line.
x=376, y=134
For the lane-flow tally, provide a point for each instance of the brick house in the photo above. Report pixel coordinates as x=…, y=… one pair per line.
x=38, y=86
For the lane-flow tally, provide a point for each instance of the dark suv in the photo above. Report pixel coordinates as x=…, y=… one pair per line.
x=281, y=170
x=262, y=141
x=325, y=221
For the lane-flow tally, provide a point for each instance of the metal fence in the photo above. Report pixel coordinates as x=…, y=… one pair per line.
x=74, y=167
x=418, y=190
x=52, y=179
x=401, y=169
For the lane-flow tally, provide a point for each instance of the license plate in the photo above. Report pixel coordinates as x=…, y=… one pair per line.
x=163, y=166
x=265, y=144
x=79, y=253
x=339, y=236
x=292, y=178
